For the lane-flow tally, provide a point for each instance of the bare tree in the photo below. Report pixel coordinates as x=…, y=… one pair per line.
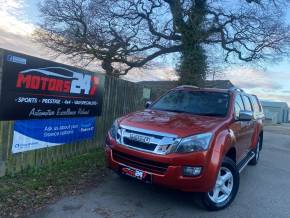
x=126, y=34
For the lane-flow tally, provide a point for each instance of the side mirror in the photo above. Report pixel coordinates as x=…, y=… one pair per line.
x=147, y=104
x=246, y=116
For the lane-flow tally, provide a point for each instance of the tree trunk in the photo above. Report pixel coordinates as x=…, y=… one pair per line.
x=193, y=66
x=110, y=71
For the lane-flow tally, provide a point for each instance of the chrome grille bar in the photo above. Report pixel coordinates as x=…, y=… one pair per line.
x=161, y=141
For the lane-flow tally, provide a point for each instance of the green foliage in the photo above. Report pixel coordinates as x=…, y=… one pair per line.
x=193, y=67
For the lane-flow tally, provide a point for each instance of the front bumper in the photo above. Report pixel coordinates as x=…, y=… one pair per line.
x=166, y=170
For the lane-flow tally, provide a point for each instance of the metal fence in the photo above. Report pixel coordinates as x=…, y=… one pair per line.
x=120, y=97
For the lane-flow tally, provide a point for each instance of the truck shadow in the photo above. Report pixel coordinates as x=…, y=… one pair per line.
x=164, y=198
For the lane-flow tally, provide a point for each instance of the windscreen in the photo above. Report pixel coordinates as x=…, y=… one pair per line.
x=194, y=102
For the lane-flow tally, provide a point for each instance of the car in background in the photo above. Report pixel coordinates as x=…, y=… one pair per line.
x=191, y=139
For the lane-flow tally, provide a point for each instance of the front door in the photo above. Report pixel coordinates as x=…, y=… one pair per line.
x=250, y=125
x=240, y=129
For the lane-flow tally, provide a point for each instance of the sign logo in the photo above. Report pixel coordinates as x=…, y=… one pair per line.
x=14, y=59
x=48, y=79
x=140, y=138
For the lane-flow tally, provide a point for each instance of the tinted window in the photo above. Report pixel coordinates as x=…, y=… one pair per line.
x=255, y=104
x=239, y=105
x=247, y=103
x=194, y=102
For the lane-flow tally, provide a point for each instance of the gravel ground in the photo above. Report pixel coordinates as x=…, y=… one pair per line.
x=264, y=192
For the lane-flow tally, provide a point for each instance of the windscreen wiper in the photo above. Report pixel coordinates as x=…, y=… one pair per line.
x=211, y=114
x=176, y=111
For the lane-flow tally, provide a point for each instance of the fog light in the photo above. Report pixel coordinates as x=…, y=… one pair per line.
x=191, y=171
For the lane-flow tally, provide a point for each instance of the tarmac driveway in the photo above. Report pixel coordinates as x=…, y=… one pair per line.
x=264, y=192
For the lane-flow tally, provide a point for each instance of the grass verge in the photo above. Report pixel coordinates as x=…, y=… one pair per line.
x=25, y=192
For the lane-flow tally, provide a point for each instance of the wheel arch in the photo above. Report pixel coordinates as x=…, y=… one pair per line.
x=223, y=143
x=232, y=154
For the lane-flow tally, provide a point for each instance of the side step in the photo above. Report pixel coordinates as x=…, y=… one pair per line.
x=243, y=163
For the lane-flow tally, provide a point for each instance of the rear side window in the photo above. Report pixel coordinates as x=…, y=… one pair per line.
x=239, y=105
x=255, y=104
x=247, y=102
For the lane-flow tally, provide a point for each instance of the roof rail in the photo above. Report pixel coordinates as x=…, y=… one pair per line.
x=236, y=89
x=188, y=86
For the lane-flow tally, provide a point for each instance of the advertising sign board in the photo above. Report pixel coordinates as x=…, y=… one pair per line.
x=36, y=134
x=33, y=88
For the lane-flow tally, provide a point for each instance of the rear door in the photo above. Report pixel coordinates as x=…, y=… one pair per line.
x=258, y=117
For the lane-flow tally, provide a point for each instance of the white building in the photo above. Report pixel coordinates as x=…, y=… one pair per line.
x=278, y=112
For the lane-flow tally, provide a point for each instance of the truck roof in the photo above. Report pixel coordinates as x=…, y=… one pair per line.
x=196, y=88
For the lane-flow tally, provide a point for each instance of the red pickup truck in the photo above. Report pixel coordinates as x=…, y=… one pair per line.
x=191, y=139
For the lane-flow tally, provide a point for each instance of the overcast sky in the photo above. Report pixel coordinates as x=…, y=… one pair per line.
x=18, y=19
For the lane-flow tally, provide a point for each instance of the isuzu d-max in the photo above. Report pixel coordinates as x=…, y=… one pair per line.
x=191, y=139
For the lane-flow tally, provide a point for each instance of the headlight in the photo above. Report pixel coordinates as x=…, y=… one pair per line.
x=193, y=143
x=114, y=130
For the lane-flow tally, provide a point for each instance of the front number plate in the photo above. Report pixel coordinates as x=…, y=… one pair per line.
x=137, y=174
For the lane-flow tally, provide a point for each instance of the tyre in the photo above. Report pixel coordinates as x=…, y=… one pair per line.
x=226, y=187
x=255, y=160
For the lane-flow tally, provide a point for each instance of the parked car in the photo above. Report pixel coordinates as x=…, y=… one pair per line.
x=191, y=139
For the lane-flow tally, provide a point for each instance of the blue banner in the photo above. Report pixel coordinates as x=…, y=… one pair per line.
x=36, y=134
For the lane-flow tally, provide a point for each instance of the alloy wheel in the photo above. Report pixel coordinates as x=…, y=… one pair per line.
x=223, y=187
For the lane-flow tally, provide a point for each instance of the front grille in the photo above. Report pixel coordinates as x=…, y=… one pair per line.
x=145, y=140
x=141, y=145
x=147, y=134
x=140, y=163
